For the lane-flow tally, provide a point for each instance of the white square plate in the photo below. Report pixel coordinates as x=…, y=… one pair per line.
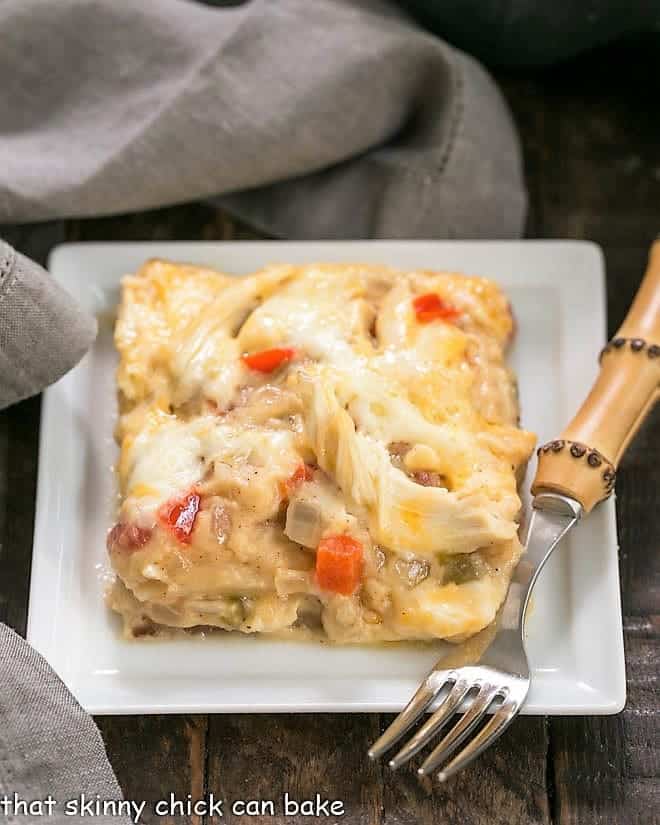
x=557, y=290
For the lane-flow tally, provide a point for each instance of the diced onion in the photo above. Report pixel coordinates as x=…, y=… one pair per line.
x=154, y=571
x=412, y=572
x=304, y=523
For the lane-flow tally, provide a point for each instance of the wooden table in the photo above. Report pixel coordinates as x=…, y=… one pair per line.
x=591, y=138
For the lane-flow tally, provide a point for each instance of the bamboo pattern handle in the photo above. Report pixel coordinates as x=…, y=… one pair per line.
x=582, y=462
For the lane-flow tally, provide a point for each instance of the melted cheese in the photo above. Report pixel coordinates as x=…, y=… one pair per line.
x=171, y=456
x=366, y=377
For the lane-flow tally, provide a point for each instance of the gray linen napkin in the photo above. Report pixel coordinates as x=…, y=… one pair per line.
x=48, y=744
x=42, y=331
x=385, y=130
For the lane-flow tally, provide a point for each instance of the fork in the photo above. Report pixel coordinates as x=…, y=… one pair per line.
x=575, y=472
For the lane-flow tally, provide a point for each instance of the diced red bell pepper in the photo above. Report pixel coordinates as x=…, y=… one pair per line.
x=179, y=515
x=339, y=564
x=431, y=307
x=302, y=473
x=269, y=360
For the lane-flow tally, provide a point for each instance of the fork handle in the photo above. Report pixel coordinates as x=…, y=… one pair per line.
x=582, y=462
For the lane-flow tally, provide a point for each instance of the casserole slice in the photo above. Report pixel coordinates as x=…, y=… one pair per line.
x=327, y=451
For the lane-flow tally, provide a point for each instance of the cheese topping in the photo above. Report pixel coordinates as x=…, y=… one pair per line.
x=354, y=408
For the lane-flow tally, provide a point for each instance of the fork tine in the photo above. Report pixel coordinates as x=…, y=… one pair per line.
x=461, y=729
x=434, y=723
x=495, y=726
x=423, y=697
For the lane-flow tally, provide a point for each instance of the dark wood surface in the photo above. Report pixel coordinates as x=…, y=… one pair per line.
x=591, y=138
